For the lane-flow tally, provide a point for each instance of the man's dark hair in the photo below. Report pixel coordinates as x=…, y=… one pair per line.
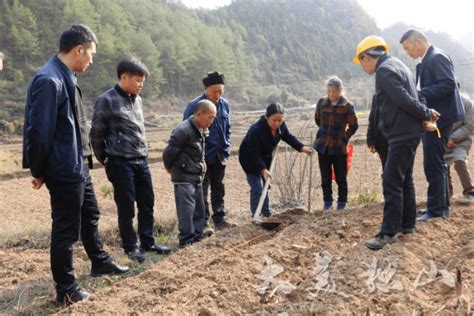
x=77, y=34
x=132, y=66
x=413, y=34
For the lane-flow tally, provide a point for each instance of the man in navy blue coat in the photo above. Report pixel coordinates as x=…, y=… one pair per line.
x=57, y=151
x=218, y=146
x=436, y=82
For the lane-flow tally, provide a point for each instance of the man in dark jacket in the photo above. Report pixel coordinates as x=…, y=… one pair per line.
x=436, y=82
x=56, y=149
x=184, y=158
x=118, y=140
x=217, y=146
x=401, y=116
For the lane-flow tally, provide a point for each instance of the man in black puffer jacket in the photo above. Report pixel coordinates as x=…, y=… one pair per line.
x=184, y=159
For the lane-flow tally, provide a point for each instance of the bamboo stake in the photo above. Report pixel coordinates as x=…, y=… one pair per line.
x=310, y=173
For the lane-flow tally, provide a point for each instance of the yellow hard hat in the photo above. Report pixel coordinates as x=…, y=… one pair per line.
x=367, y=43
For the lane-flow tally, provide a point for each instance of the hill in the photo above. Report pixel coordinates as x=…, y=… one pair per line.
x=269, y=51
x=264, y=48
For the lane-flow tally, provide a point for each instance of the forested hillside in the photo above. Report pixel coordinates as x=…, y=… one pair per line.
x=172, y=40
x=267, y=50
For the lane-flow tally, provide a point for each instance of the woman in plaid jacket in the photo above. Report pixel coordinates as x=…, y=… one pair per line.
x=337, y=122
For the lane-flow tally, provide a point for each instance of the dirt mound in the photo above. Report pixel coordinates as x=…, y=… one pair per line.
x=315, y=263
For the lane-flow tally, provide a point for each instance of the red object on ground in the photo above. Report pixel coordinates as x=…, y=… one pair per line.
x=350, y=149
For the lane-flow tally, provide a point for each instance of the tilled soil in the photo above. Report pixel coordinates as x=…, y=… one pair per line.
x=219, y=275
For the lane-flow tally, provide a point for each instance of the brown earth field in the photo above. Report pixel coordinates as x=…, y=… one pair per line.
x=312, y=263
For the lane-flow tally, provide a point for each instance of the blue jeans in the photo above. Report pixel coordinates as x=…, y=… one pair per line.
x=436, y=171
x=74, y=212
x=131, y=180
x=398, y=188
x=256, y=184
x=191, y=212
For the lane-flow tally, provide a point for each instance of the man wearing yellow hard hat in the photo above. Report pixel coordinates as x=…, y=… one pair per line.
x=400, y=122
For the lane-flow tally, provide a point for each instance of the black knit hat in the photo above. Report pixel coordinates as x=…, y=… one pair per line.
x=213, y=78
x=274, y=108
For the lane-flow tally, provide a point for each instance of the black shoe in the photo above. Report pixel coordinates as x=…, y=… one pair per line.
x=159, y=249
x=74, y=296
x=421, y=211
x=207, y=232
x=407, y=231
x=108, y=267
x=428, y=216
x=190, y=242
x=379, y=241
x=223, y=224
x=136, y=255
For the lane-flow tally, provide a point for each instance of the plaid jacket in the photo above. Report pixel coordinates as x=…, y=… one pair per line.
x=337, y=123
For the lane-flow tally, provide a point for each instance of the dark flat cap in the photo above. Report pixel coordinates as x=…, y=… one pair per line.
x=213, y=78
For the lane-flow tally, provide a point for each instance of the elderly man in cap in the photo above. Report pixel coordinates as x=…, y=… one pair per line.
x=218, y=147
x=401, y=115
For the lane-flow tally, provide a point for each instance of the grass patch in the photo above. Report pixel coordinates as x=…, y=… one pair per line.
x=35, y=238
x=28, y=299
x=107, y=191
x=364, y=195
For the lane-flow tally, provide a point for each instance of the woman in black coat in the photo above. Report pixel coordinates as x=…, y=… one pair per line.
x=255, y=153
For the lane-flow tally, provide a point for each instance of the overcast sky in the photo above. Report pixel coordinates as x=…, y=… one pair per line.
x=455, y=17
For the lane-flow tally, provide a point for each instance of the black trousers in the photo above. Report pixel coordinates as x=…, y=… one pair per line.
x=214, y=178
x=74, y=212
x=131, y=179
x=326, y=164
x=436, y=171
x=398, y=188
